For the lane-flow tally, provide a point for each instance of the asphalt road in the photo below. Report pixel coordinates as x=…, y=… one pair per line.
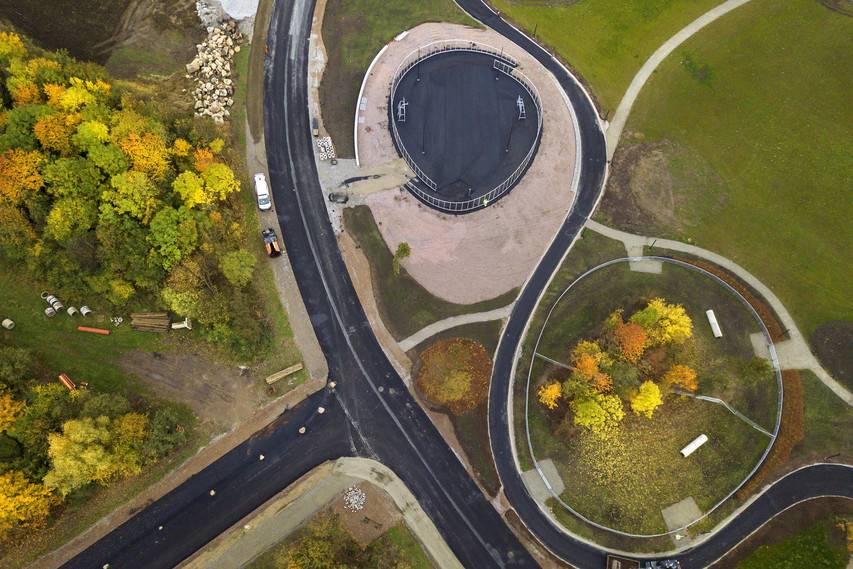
x=371, y=412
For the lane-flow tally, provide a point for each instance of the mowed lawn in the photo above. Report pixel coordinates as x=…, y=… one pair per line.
x=607, y=41
x=769, y=109
x=353, y=33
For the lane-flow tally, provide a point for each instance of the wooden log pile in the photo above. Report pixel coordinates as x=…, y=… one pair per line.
x=151, y=322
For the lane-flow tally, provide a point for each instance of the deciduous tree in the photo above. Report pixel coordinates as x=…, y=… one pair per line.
x=174, y=235
x=238, y=267
x=54, y=132
x=132, y=193
x=147, y=153
x=681, y=376
x=550, y=393
x=19, y=174
x=23, y=504
x=647, y=399
x=10, y=411
x=631, y=341
x=664, y=323
x=403, y=251
x=219, y=182
x=599, y=413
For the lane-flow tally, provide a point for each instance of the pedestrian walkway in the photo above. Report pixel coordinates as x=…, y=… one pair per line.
x=452, y=322
x=620, y=117
x=794, y=353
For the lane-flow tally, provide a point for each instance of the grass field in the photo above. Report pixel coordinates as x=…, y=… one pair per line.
x=353, y=32
x=820, y=546
x=827, y=421
x=607, y=41
x=763, y=95
x=404, y=305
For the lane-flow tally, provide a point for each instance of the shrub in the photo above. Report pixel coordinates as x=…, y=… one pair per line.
x=455, y=373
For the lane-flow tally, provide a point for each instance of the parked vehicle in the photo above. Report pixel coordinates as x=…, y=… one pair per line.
x=616, y=562
x=271, y=242
x=262, y=191
x=315, y=127
x=338, y=197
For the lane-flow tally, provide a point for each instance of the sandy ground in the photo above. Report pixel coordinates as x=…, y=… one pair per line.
x=377, y=516
x=220, y=395
x=477, y=256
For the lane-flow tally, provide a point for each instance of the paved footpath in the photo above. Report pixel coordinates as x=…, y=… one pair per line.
x=620, y=117
x=452, y=322
x=793, y=353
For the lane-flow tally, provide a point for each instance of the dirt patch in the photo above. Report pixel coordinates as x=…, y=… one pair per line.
x=220, y=396
x=788, y=524
x=376, y=517
x=833, y=345
x=660, y=188
x=841, y=6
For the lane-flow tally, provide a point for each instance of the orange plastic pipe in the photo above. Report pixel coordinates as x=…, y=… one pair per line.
x=93, y=330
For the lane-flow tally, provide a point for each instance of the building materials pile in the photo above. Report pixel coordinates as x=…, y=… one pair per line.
x=151, y=322
x=211, y=70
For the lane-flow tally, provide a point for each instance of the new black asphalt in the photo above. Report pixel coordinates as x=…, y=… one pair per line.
x=371, y=413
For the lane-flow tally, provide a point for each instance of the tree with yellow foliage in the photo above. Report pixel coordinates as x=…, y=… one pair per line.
x=664, y=323
x=550, y=393
x=10, y=410
x=54, y=132
x=647, y=399
x=681, y=376
x=147, y=153
x=587, y=358
x=23, y=504
x=599, y=413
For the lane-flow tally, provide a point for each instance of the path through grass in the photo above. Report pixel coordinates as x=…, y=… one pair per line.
x=771, y=113
x=607, y=41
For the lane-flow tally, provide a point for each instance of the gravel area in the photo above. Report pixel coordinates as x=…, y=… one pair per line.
x=480, y=255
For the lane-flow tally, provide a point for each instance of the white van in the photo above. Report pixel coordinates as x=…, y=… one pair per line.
x=263, y=192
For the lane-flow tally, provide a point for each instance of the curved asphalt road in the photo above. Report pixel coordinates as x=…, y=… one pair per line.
x=371, y=413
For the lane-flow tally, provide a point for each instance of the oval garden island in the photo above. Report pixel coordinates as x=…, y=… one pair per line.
x=626, y=373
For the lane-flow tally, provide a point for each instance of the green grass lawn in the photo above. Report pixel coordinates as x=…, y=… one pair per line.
x=353, y=32
x=818, y=547
x=771, y=114
x=607, y=41
x=404, y=305
x=827, y=421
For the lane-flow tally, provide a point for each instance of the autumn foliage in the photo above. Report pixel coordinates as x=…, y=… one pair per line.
x=631, y=339
x=455, y=373
x=681, y=376
x=550, y=393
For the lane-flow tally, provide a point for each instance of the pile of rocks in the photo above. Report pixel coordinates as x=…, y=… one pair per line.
x=211, y=70
x=354, y=499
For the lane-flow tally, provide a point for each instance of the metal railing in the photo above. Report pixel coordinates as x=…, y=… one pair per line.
x=503, y=63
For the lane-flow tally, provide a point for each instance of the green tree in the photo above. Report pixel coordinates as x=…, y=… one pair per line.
x=219, y=182
x=647, y=399
x=599, y=413
x=16, y=365
x=109, y=405
x=75, y=178
x=89, y=134
x=163, y=433
x=174, y=235
x=110, y=159
x=238, y=267
x=190, y=187
x=132, y=193
x=19, y=126
x=402, y=252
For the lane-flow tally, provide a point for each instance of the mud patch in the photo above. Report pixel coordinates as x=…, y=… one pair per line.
x=833, y=345
x=661, y=188
x=220, y=396
x=372, y=521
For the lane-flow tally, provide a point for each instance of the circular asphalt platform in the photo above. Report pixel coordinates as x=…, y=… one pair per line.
x=462, y=125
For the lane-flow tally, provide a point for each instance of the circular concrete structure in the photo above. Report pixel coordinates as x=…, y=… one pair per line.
x=466, y=122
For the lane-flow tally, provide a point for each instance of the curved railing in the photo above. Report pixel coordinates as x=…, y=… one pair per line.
x=503, y=63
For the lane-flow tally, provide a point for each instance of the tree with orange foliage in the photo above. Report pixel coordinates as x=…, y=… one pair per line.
x=26, y=93
x=19, y=174
x=681, y=376
x=148, y=154
x=631, y=340
x=586, y=359
x=202, y=159
x=54, y=132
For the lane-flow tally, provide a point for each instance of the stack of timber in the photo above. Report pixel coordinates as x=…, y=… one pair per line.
x=151, y=322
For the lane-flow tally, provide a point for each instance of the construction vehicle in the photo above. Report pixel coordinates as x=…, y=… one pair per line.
x=271, y=242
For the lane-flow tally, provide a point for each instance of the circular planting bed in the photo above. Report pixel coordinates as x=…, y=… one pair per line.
x=627, y=373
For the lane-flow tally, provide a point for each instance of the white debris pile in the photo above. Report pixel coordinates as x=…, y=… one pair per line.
x=354, y=499
x=211, y=70
x=327, y=151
